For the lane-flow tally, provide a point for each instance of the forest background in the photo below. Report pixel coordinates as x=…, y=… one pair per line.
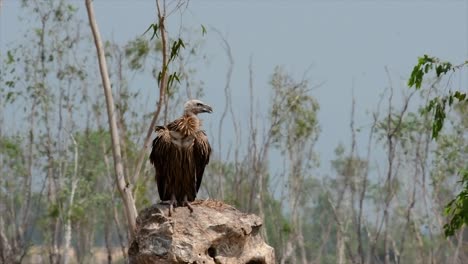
x=314, y=127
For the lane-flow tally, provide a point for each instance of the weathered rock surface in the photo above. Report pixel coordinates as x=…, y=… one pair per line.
x=213, y=233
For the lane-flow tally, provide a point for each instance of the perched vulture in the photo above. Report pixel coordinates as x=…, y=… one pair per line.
x=180, y=153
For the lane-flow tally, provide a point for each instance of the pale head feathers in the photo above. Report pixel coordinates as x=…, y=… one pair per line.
x=195, y=107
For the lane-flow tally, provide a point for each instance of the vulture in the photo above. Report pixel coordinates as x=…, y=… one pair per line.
x=179, y=154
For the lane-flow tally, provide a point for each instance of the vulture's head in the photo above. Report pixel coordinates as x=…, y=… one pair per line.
x=195, y=106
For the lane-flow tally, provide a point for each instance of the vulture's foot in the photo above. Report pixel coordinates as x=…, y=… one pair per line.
x=172, y=204
x=171, y=208
x=187, y=203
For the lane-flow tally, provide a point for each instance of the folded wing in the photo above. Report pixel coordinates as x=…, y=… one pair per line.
x=201, y=155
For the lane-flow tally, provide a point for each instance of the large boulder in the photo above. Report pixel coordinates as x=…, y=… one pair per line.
x=213, y=233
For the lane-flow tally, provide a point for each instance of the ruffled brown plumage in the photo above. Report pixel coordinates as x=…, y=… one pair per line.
x=180, y=153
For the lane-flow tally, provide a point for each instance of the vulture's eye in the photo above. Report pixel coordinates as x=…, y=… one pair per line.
x=199, y=104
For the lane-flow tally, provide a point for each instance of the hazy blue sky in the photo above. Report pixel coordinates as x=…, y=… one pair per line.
x=338, y=41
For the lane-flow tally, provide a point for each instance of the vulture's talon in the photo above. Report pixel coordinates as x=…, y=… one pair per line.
x=187, y=203
x=172, y=205
x=170, y=210
x=189, y=206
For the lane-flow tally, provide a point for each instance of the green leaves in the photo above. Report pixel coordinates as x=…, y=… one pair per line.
x=424, y=66
x=293, y=111
x=11, y=146
x=203, y=30
x=175, y=49
x=437, y=105
x=460, y=96
x=155, y=28
x=457, y=209
x=10, y=58
x=176, y=45
x=171, y=78
x=439, y=118
x=136, y=52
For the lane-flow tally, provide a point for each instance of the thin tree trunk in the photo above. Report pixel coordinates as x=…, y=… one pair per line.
x=124, y=187
x=227, y=107
x=119, y=234
x=115, y=214
x=162, y=91
x=340, y=248
x=300, y=242
x=456, y=256
x=386, y=246
x=288, y=252
x=108, y=243
x=5, y=249
x=68, y=229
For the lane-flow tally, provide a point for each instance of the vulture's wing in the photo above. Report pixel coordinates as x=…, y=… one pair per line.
x=159, y=158
x=201, y=155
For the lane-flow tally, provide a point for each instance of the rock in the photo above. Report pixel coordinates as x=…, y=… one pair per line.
x=214, y=233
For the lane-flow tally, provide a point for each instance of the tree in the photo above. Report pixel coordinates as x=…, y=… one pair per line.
x=165, y=81
x=122, y=183
x=55, y=207
x=457, y=208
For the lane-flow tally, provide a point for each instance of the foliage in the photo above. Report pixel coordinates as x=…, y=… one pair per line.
x=293, y=110
x=457, y=208
x=438, y=104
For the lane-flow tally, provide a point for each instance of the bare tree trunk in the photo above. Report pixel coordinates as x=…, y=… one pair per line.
x=5, y=249
x=108, y=243
x=340, y=248
x=115, y=214
x=456, y=256
x=52, y=189
x=288, y=252
x=393, y=126
x=124, y=187
x=257, y=161
x=119, y=234
x=121, y=126
x=52, y=185
x=385, y=237
x=342, y=227
x=301, y=245
x=68, y=229
x=325, y=238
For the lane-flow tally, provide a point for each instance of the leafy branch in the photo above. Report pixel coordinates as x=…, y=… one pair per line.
x=165, y=80
x=437, y=105
x=456, y=209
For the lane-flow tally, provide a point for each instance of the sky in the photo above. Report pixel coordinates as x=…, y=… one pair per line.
x=342, y=45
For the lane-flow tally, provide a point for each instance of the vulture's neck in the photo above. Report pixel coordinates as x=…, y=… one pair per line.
x=187, y=125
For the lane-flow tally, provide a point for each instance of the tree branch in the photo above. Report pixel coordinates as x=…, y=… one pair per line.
x=162, y=92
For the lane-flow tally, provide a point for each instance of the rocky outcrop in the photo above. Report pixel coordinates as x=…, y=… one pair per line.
x=213, y=233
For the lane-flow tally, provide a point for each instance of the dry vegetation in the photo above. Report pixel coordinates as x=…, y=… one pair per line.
x=62, y=190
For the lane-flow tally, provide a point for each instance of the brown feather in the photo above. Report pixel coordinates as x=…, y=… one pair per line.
x=180, y=153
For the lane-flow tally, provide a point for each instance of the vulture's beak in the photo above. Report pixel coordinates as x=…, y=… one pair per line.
x=207, y=109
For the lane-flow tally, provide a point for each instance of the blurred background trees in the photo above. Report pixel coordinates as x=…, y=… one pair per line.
x=59, y=201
